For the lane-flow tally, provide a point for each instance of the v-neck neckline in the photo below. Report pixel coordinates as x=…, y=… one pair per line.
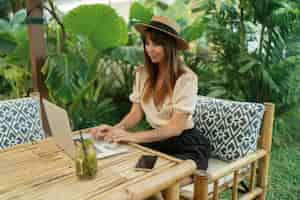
x=159, y=109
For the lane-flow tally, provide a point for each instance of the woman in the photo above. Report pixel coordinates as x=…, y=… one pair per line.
x=165, y=93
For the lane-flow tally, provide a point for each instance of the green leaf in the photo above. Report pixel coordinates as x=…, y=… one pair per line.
x=139, y=13
x=248, y=66
x=178, y=10
x=7, y=43
x=269, y=80
x=217, y=93
x=4, y=25
x=80, y=95
x=131, y=54
x=18, y=18
x=20, y=54
x=99, y=23
x=200, y=6
x=60, y=78
x=193, y=31
x=20, y=32
x=123, y=37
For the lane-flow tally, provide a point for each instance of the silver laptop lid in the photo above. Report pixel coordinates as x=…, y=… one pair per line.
x=60, y=127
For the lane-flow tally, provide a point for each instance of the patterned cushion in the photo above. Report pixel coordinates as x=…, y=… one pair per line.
x=20, y=122
x=231, y=127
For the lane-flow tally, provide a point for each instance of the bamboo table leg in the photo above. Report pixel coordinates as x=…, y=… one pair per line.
x=172, y=193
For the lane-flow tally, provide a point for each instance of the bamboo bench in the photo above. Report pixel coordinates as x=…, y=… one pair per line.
x=221, y=176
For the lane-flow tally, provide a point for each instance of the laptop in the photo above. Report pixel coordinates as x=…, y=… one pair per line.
x=59, y=125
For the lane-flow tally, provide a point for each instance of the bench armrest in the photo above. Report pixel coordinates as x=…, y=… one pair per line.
x=233, y=166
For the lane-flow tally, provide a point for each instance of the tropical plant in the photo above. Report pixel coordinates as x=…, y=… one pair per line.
x=123, y=60
x=15, y=65
x=8, y=6
x=75, y=78
x=252, y=55
x=123, y=75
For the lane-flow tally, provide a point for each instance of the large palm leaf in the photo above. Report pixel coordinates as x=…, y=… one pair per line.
x=139, y=13
x=99, y=23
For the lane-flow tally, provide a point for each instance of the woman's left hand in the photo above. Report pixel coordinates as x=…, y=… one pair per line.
x=119, y=135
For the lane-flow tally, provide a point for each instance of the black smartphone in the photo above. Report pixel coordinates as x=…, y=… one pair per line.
x=146, y=162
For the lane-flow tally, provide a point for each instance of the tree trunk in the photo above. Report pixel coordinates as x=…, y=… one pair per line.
x=37, y=53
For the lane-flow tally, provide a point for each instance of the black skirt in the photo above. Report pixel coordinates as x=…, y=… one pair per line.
x=189, y=145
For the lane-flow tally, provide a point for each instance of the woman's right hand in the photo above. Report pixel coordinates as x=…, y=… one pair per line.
x=102, y=131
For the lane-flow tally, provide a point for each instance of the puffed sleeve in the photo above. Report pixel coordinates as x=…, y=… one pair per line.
x=185, y=93
x=135, y=96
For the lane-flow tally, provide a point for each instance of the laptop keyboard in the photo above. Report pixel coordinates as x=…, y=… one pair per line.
x=104, y=149
x=111, y=146
x=99, y=144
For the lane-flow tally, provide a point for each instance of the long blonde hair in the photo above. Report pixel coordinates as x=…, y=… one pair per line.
x=174, y=67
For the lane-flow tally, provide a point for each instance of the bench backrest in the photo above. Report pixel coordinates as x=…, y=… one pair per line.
x=20, y=122
x=231, y=127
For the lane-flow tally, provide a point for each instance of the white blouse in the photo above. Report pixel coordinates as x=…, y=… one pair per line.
x=183, y=99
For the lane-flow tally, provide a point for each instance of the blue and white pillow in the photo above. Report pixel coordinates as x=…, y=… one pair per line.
x=231, y=127
x=20, y=122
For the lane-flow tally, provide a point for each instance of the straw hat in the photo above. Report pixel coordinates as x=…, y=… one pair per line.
x=165, y=25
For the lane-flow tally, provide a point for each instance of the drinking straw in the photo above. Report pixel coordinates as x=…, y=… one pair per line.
x=84, y=152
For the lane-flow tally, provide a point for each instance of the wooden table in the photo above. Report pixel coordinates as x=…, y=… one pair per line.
x=43, y=171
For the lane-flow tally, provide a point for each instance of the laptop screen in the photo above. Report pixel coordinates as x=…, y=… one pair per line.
x=60, y=127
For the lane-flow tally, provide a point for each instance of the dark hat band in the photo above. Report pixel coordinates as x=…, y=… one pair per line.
x=163, y=27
